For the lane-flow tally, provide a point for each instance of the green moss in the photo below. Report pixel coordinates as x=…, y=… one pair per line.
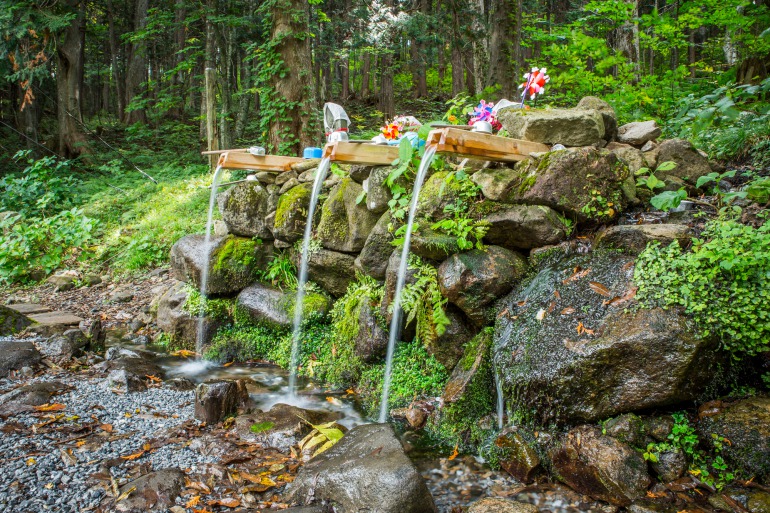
x=292, y=200
x=220, y=309
x=236, y=255
x=261, y=427
x=333, y=226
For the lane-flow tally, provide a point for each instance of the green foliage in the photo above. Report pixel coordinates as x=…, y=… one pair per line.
x=218, y=308
x=261, y=427
x=724, y=283
x=667, y=200
x=598, y=207
x=759, y=190
x=422, y=302
x=281, y=272
x=461, y=225
x=415, y=374
x=648, y=178
x=42, y=189
x=715, y=178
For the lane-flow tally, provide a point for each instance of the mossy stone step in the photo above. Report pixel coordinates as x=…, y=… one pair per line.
x=29, y=308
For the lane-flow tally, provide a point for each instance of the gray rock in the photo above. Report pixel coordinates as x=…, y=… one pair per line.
x=638, y=133
x=634, y=238
x=244, y=207
x=125, y=381
x=600, y=466
x=181, y=384
x=25, y=398
x=633, y=157
x=288, y=185
x=265, y=177
x=608, y=115
x=332, y=270
x=365, y=471
x=16, y=354
x=64, y=346
x=524, y=226
x=120, y=296
x=377, y=191
x=284, y=177
x=61, y=282
x=690, y=164
x=373, y=259
x=291, y=212
x=154, y=492
x=276, y=308
x=671, y=465
x=360, y=173
x=371, y=342
x=116, y=352
x=627, y=428
x=475, y=279
x=12, y=321
x=570, y=127
x=500, y=505
x=215, y=400
x=234, y=262
x=282, y=427
x=180, y=325
x=345, y=225
x=137, y=366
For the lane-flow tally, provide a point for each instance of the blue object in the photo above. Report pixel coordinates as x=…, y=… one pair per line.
x=411, y=136
x=312, y=153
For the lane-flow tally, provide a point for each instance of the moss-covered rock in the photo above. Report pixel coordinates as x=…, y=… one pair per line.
x=273, y=307
x=12, y=321
x=568, y=351
x=690, y=164
x=244, y=208
x=345, y=225
x=377, y=191
x=634, y=238
x=447, y=348
x=436, y=193
x=570, y=127
x=291, y=213
x=516, y=454
x=524, y=226
x=332, y=270
x=373, y=259
x=233, y=262
x=180, y=322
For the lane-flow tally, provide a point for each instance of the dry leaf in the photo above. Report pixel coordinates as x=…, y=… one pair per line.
x=599, y=288
x=255, y=488
x=228, y=364
x=540, y=315
x=582, y=329
x=228, y=502
x=568, y=311
x=31, y=461
x=454, y=453
x=68, y=458
x=134, y=456
x=50, y=407
x=153, y=378
x=197, y=485
x=628, y=296
x=194, y=501
x=125, y=494
x=521, y=303
x=556, y=294
x=577, y=273
x=184, y=353
x=106, y=427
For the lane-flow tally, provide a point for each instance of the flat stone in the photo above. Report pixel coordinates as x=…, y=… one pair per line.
x=53, y=323
x=570, y=127
x=29, y=308
x=634, y=238
x=282, y=427
x=17, y=354
x=638, y=133
x=153, y=492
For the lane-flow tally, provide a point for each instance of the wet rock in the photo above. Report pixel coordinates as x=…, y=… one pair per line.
x=690, y=164
x=282, y=427
x=154, y=492
x=608, y=115
x=139, y=366
x=116, y=352
x=25, y=398
x=332, y=270
x=391, y=279
x=365, y=471
x=345, y=225
x=12, y=321
x=244, y=207
x=474, y=362
x=524, y=226
x=627, y=428
x=600, y=466
x=436, y=194
x=17, y=354
x=124, y=381
x=180, y=384
x=638, y=133
x=671, y=465
x=179, y=324
x=233, y=262
x=553, y=366
x=570, y=127
x=447, y=348
x=475, y=279
x=517, y=456
x=377, y=191
x=651, y=506
x=659, y=427
x=215, y=400
x=373, y=259
x=634, y=238
x=371, y=342
x=66, y=345
x=759, y=502
x=291, y=212
x=432, y=244
x=62, y=282
x=360, y=173
x=275, y=307
x=633, y=157
x=500, y=505
x=746, y=423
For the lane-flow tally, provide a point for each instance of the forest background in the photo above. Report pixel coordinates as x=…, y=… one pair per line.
x=105, y=105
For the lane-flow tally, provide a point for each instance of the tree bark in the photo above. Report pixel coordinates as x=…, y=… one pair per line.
x=387, y=105
x=345, y=77
x=69, y=83
x=457, y=51
x=365, y=70
x=117, y=76
x=210, y=81
x=136, y=74
x=505, y=44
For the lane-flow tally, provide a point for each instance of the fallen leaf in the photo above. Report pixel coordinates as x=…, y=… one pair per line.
x=184, y=353
x=68, y=458
x=628, y=296
x=80, y=443
x=502, y=313
x=153, y=378
x=521, y=303
x=540, y=315
x=599, y=288
x=31, y=461
x=582, y=329
x=106, y=427
x=194, y=501
x=251, y=477
x=134, y=456
x=454, y=453
x=568, y=311
x=577, y=273
x=255, y=488
x=276, y=467
x=125, y=494
x=228, y=364
x=228, y=502
x=50, y=407
x=266, y=481
x=551, y=306
x=334, y=401
x=197, y=485
x=556, y=294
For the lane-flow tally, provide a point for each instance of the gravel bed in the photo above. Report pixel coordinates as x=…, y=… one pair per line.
x=34, y=473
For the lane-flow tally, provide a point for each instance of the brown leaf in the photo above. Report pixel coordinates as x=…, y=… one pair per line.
x=134, y=456
x=153, y=378
x=599, y=288
x=50, y=407
x=551, y=306
x=568, y=311
x=227, y=502
x=582, y=329
x=255, y=488
x=250, y=477
x=228, y=364
x=125, y=494
x=577, y=273
x=454, y=453
x=556, y=294
x=197, y=485
x=521, y=303
x=194, y=501
x=106, y=427
x=617, y=300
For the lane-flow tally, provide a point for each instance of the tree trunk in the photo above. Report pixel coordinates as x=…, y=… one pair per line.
x=136, y=75
x=345, y=77
x=365, y=69
x=117, y=76
x=481, y=46
x=210, y=78
x=457, y=51
x=470, y=79
x=26, y=118
x=505, y=44
x=177, y=80
x=387, y=105
x=296, y=127
x=69, y=83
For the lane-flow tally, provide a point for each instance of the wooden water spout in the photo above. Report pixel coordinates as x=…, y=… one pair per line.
x=242, y=159
x=482, y=146
x=361, y=153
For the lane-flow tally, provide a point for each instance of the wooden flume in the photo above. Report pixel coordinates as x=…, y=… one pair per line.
x=356, y=153
x=235, y=159
x=482, y=146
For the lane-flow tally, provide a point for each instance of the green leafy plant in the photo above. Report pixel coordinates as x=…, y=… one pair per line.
x=648, y=179
x=423, y=302
x=715, y=178
x=668, y=200
x=759, y=190
x=281, y=272
x=469, y=232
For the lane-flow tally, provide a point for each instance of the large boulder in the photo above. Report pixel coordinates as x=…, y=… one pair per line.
x=378, y=192
x=275, y=307
x=332, y=270
x=638, y=132
x=570, y=127
x=608, y=115
x=156, y=491
x=447, y=348
x=291, y=213
x=365, y=471
x=182, y=326
x=633, y=157
x=634, y=238
x=601, y=467
x=475, y=279
x=233, y=262
x=63, y=346
x=17, y=354
x=216, y=399
x=583, y=184
x=373, y=259
x=690, y=164
x=523, y=226
x=244, y=208
x=12, y=321
x=345, y=225
x=567, y=349
x=746, y=424
x=282, y=427
x=25, y=398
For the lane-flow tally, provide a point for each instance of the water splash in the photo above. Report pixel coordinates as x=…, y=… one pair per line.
x=395, y=323
x=200, y=333
x=500, y=402
x=320, y=176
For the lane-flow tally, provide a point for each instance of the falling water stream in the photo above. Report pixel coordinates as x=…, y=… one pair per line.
x=500, y=402
x=395, y=323
x=320, y=176
x=200, y=334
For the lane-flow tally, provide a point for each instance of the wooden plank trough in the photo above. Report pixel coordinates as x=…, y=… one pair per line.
x=482, y=146
x=237, y=159
x=364, y=154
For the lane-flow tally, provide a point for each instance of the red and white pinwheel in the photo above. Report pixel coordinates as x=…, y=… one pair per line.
x=534, y=84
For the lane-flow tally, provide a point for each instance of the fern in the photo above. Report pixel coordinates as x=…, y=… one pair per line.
x=422, y=302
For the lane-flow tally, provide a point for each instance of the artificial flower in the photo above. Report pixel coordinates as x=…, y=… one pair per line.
x=534, y=83
x=391, y=131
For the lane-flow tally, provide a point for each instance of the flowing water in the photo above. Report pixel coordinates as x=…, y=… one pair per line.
x=395, y=323
x=200, y=334
x=320, y=176
x=500, y=402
